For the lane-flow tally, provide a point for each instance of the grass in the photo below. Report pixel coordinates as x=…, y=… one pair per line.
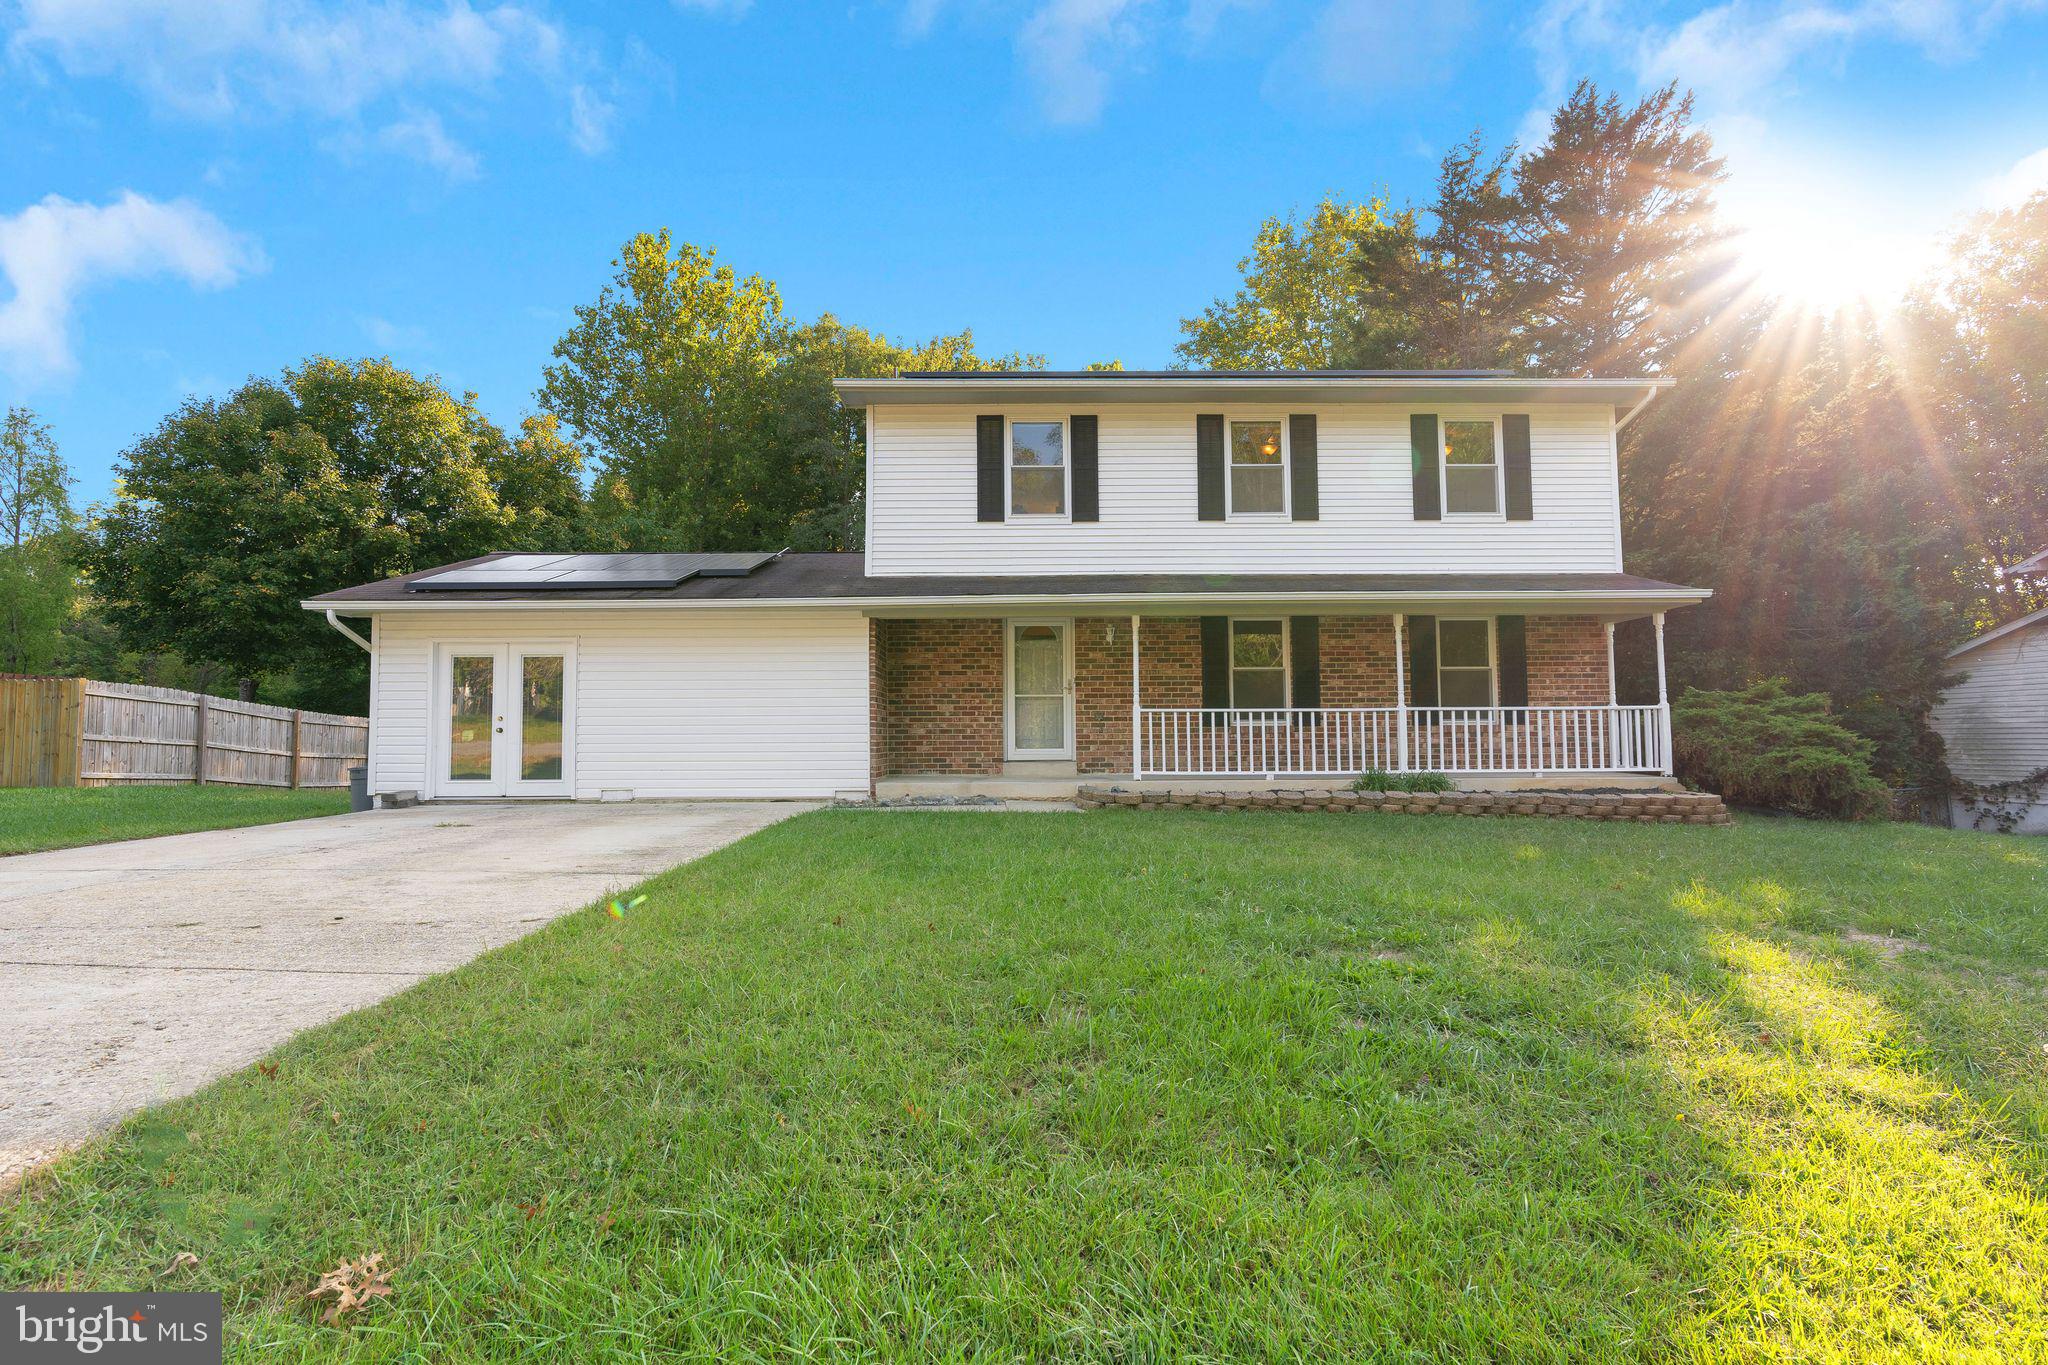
x=1145, y=1086
x=33, y=818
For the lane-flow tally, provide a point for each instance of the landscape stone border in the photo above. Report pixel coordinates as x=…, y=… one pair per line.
x=1645, y=808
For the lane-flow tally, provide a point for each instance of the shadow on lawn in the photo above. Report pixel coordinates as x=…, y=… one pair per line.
x=1861, y=1190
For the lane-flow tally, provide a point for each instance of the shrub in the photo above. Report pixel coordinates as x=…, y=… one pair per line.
x=1765, y=746
x=1380, y=780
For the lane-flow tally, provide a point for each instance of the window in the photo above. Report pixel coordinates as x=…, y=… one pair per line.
x=1038, y=469
x=1258, y=664
x=1471, y=467
x=1464, y=662
x=1258, y=468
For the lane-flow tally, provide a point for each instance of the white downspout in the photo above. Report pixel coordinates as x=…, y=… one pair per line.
x=335, y=621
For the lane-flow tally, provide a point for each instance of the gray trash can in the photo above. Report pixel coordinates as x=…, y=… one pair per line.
x=358, y=788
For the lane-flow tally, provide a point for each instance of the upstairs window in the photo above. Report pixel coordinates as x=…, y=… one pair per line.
x=1038, y=469
x=1258, y=469
x=1464, y=662
x=1258, y=664
x=1471, y=468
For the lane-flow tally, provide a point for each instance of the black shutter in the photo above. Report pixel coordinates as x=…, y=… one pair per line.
x=1087, y=500
x=1209, y=467
x=1305, y=654
x=1514, y=439
x=1422, y=660
x=1511, y=639
x=1301, y=438
x=988, y=468
x=1428, y=454
x=1215, y=664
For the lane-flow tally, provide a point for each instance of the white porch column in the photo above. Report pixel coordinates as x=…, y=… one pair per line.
x=1615, y=755
x=1400, y=696
x=1663, y=699
x=1137, y=706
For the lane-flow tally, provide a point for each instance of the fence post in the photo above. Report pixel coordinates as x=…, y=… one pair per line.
x=295, y=749
x=1400, y=698
x=199, y=742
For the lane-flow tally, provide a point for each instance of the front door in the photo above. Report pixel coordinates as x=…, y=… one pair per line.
x=504, y=724
x=1040, y=723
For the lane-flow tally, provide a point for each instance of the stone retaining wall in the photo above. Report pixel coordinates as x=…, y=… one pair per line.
x=1649, y=808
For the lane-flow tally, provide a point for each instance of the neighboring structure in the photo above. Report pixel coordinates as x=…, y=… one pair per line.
x=1994, y=723
x=1244, y=576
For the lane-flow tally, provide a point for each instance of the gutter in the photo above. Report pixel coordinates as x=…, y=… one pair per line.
x=1679, y=597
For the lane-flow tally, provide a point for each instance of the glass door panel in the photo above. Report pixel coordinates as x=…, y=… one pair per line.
x=541, y=713
x=1038, y=689
x=472, y=718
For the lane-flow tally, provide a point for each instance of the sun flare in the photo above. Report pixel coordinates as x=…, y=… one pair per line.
x=1825, y=263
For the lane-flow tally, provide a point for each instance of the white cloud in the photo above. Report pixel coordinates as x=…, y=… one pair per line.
x=1363, y=49
x=53, y=251
x=389, y=336
x=2020, y=182
x=1067, y=48
x=590, y=120
x=341, y=62
x=421, y=137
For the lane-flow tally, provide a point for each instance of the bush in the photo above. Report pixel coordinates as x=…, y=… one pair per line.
x=1380, y=780
x=1765, y=746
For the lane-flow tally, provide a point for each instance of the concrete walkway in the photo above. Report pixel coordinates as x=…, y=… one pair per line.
x=136, y=972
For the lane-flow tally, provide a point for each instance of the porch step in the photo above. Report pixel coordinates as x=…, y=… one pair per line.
x=1648, y=808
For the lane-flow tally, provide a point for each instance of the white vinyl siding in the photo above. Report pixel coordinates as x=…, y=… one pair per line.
x=921, y=507
x=722, y=702
x=1995, y=721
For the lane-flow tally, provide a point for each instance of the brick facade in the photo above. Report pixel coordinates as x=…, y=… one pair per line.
x=1567, y=661
x=937, y=685
x=938, y=698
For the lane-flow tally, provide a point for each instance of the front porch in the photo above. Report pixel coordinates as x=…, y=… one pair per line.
x=1031, y=707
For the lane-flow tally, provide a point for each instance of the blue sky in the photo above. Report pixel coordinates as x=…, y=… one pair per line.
x=195, y=191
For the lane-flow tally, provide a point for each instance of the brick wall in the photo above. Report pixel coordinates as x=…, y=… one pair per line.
x=939, y=697
x=937, y=685
x=1567, y=661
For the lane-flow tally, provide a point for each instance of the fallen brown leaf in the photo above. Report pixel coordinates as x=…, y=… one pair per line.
x=353, y=1285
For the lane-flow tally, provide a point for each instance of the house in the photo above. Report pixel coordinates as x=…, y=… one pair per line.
x=1212, y=577
x=1994, y=723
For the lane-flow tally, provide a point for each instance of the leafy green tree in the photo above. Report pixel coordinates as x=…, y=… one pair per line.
x=710, y=415
x=337, y=472
x=1978, y=341
x=1303, y=300
x=37, y=583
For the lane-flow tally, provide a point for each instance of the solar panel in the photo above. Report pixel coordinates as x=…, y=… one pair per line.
x=557, y=573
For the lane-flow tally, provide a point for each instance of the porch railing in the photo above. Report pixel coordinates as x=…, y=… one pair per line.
x=1334, y=741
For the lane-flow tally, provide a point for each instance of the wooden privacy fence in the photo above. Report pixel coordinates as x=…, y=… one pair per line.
x=76, y=732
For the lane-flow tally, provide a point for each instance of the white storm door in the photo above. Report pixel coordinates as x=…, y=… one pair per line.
x=540, y=732
x=470, y=745
x=1040, y=691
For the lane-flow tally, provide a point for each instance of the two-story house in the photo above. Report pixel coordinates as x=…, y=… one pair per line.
x=1184, y=576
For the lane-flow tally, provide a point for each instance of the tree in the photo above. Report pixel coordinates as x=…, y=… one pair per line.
x=710, y=415
x=1302, y=303
x=337, y=472
x=1977, y=336
x=37, y=584
x=1617, y=246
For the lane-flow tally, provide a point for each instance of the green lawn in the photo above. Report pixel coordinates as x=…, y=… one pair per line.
x=1147, y=1086
x=34, y=818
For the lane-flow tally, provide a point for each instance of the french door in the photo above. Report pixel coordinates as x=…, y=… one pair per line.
x=503, y=720
x=1039, y=690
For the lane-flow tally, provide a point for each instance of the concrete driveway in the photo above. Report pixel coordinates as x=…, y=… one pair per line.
x=137, y=972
